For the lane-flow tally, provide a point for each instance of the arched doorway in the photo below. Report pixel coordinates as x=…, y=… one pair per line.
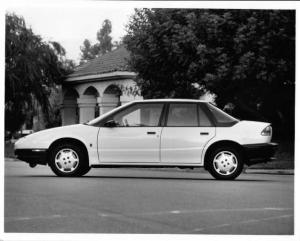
x=110, y=98
x=87, y=103
x=70, y=108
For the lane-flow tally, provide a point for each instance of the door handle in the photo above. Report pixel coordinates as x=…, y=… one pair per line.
x=204, y=133
x=151, y=132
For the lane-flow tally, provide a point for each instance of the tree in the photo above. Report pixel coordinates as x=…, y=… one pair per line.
x=245, y=57
x=104, y=38
x=32, y=67
x=88, y=51
x=117, y=44
x=104, y=44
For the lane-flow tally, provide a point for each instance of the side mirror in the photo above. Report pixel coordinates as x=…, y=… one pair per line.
x=110, y=123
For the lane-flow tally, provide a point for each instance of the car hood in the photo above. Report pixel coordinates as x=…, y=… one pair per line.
x=44, y=138
x=54, y=130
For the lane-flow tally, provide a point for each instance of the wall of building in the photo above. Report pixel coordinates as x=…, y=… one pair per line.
x=95, y=98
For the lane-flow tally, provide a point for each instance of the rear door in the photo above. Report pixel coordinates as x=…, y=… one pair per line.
x=187, y=129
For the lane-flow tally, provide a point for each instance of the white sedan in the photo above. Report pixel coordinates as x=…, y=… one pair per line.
x=153, y=133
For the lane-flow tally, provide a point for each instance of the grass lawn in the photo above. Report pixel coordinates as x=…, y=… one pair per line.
x=9, y=149
x=284, y=157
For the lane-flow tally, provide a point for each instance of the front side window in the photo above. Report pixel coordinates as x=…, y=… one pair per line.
x=182, y=114
x=139, y=115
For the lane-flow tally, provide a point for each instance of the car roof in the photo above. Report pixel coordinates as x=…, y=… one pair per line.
x=170, y=100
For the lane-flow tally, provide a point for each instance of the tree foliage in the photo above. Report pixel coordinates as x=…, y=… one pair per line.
x=88, y=51
x=32, y=67
x=104, y=38
x=245, y=57
x=104, y=43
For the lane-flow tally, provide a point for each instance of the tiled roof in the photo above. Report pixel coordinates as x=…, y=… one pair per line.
x=115, y=60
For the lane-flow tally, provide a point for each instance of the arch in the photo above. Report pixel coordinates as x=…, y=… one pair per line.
x=69, y=110
x=91, y=91
x=89, y=108
x=71, y=93
x=110, y=98
x=113, y=89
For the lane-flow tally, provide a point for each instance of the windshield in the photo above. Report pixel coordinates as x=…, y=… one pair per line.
x=221, y=117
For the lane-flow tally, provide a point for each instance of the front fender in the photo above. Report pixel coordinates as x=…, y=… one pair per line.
x=43, y=139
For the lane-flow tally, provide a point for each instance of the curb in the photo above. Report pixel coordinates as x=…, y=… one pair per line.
x=270, y=171
x=10, y=159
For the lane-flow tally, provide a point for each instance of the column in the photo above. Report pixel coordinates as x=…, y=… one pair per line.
x=86, y=107
x=69, y=114
x=100, y=106
x=107, y=103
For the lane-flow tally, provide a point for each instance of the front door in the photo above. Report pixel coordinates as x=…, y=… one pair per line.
x=135, y=139
x=187, y=131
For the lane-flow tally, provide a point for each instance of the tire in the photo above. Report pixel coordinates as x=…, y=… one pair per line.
x=225, y=163
x=68, y=160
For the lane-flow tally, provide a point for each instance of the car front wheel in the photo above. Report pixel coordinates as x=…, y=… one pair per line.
x=225, y=163
x=68, y=160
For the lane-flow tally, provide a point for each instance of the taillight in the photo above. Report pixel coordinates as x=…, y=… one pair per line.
x=267, y=131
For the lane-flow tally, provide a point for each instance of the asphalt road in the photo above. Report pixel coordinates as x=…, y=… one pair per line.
x=146, y=201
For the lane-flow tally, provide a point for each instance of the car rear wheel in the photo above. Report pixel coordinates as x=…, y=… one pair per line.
x=68, y=160
x=225, y=163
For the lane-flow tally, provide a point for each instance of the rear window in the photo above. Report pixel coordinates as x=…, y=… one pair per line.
x=222, y=118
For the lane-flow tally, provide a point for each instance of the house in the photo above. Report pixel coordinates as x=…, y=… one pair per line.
x=97, y=87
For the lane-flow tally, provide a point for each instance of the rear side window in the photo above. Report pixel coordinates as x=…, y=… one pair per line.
x=222, y=118
x=203, y=118
x=182, y=114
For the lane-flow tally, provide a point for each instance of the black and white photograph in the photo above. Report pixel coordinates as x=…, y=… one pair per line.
x=165, y=118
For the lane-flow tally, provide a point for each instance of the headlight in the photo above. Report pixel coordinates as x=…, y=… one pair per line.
x=267, y=131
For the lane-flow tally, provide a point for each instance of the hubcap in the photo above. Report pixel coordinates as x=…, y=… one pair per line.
x=225, y=163
x=66, y=160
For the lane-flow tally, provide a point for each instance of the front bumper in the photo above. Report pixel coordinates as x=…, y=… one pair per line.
x=32, y=156
x=256, y=153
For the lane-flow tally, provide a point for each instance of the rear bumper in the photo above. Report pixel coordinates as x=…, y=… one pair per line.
x=256, y=153
x=34, y=156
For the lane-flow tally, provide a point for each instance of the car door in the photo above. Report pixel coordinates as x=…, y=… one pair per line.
x=187, y=129
x=135, y=139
